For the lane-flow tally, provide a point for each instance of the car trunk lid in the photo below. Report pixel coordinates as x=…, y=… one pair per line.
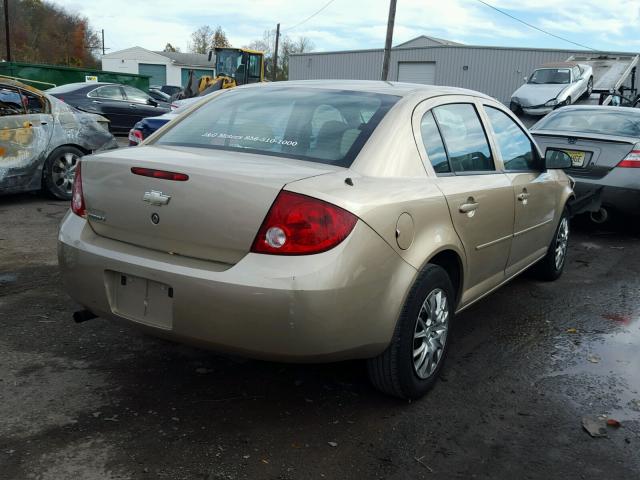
x=594, y=155
x=213, y=215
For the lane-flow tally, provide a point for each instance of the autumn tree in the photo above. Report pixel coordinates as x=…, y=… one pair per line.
x=42, y=32
x=220, y=39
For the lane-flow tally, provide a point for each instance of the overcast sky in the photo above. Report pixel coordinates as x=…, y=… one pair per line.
x=357, y=24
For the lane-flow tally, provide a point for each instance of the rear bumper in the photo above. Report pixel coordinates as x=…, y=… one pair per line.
x=336, y=305
x=621, y=189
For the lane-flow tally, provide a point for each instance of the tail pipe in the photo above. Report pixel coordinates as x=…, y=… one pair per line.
x=83, y=315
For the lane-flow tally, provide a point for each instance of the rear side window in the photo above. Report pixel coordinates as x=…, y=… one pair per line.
x=433, y=144
x=515, y=147
x=34, y=103
x=326, y=126
x=464, y=138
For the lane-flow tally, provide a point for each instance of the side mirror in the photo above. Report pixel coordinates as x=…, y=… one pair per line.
x=152, y=102
x=525, y=79
x=557, y=159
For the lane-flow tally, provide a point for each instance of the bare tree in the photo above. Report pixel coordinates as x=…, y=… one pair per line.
x=288, y=46
x=201, y=40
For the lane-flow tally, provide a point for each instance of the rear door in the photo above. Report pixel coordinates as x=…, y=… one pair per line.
x=536, y=193
x=16, y=134
x=40, y=118
x=479, y=196
x=110, y=100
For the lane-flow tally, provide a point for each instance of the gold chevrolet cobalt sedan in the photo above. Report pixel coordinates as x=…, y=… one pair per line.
x=309, y=223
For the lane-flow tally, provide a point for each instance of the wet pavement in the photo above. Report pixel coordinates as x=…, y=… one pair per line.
x=103, y=401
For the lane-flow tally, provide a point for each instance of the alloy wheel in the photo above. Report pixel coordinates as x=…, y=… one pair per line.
x=63, y=171
x=562, y=239
x=430, y=334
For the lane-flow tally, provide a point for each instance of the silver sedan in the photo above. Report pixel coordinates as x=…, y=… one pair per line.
x=551, y=86
x=604, y=144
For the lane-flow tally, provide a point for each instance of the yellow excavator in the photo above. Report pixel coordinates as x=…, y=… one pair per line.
x=233, y=67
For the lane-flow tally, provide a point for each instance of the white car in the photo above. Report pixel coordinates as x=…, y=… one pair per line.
x=552, y=86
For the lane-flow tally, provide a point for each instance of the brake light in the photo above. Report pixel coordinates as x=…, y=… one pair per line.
x=174, y=106
x=300, y=225
x=160, y=174
x=135, y=137
x=632, y=160
x=77, y=197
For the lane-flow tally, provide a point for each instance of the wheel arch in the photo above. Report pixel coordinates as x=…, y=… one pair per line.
x=452, y=262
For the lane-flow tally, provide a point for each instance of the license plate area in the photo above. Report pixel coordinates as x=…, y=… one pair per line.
x=141, y=300
x=577, y=158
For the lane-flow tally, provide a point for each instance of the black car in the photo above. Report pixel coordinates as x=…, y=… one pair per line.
x=123, y=105
x=170, y=90
x=159, y=96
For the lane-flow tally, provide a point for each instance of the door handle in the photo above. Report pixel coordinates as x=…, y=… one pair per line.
x=133, y=105
x=468, y=207
x=96, y=101
x=523, y=196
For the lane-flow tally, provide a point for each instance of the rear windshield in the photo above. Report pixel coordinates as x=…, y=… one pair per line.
x=326, y=126
x=623, y=122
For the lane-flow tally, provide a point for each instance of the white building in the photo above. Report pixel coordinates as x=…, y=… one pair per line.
x=164, y=68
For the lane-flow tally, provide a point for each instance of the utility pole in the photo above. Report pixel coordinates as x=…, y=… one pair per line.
x=389, y=40
x=275, y=55
x=6, y=29
x=103, y=42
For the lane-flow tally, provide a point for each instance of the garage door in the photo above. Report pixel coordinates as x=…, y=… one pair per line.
x=197, y=73
x=417, y=72
x=158, y=73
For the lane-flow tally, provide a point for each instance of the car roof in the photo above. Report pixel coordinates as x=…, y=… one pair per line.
x=400, y=89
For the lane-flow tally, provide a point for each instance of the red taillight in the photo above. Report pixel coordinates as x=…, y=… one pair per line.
x=161, y=174
x=301, y=225
x=632, y=160
x=77, y=198
x=135, y=137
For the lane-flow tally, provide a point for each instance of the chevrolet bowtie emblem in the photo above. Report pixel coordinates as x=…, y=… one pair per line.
x=155, y=197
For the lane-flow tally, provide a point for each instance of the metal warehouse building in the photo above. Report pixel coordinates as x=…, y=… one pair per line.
x=496, y=71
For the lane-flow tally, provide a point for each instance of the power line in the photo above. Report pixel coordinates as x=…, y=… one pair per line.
x=310, y=17
x=534, y=27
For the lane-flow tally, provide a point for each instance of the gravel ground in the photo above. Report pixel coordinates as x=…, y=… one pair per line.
x=104, y=401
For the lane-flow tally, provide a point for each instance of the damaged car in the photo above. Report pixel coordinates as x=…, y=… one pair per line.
x=552, y=86
x=42, y=139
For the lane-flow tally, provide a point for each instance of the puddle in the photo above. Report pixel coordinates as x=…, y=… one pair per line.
x=601, y=370
x=6, y=278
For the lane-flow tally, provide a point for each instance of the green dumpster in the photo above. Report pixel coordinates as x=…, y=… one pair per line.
x=48, y=76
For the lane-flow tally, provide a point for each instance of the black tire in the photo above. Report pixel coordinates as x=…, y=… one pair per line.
x=55, y=181
x=548, y=269
x=589, y=91
x=393, y=371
